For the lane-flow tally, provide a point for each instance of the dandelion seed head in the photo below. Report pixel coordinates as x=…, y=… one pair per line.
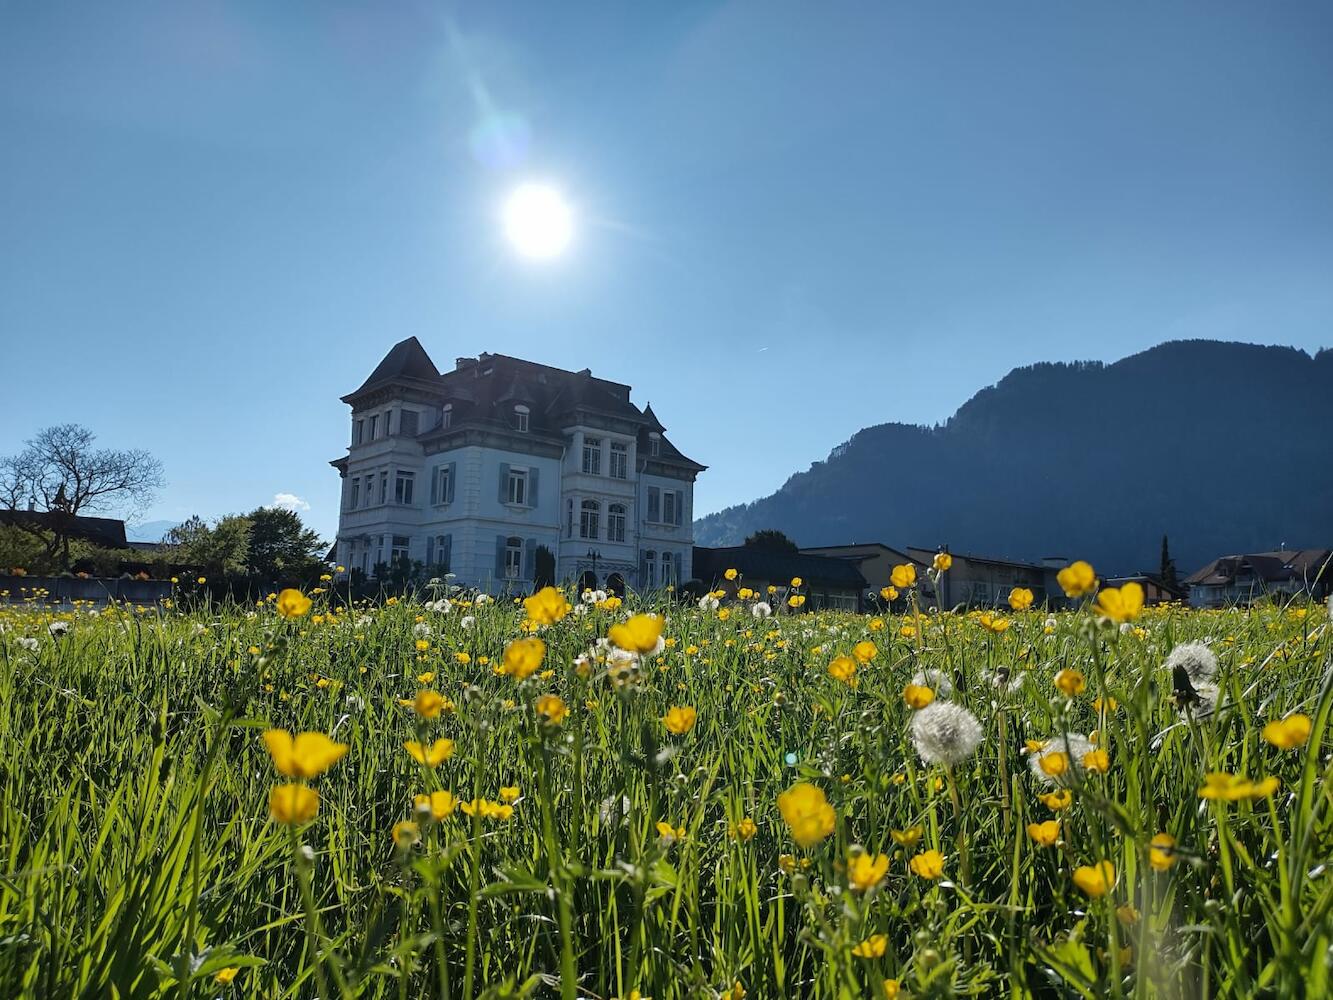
x=1196, y=659
x=945, y=733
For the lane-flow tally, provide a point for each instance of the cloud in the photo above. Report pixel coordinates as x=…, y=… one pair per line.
x=289, y=501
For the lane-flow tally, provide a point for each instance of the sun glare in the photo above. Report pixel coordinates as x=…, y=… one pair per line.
x=538, y=221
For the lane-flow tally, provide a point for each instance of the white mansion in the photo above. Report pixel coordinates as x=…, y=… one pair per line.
x=505, y=472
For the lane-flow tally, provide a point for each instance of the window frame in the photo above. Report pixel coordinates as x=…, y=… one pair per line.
x=404, y=487
x=617, y=514
x=619, y=458
x=518, y=476
x=521, y=418
x=592, y=448
x=514, y=556
x=590, y=516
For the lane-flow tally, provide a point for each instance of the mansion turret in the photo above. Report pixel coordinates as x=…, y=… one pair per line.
x=505, y=472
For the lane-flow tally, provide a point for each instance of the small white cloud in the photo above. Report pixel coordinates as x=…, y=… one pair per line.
x=289, y=501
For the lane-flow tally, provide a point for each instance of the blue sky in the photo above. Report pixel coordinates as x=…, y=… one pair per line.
x=794, y=220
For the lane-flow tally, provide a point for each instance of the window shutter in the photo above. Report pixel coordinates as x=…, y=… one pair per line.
x=407, y=422
x=435, y=485
x=654, y=503
x=504, y=481
x=449, y=490
x=445, y=555
x=532, y=487
x=529, y=557
x=499, y=557
x=680, y=498
x=679, y=575
x=430, y=550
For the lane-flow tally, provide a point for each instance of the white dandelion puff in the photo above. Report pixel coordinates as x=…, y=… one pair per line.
x=1074, y=745
x=945, y=733
x=937, y=680
x=1197, y=661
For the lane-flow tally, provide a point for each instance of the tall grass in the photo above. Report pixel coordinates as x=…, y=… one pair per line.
x=139, y=858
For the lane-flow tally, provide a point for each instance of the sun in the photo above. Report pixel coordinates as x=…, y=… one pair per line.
x=538, y=221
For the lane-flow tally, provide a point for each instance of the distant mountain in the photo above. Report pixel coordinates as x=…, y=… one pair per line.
x=149, y=531
x=1223, y=447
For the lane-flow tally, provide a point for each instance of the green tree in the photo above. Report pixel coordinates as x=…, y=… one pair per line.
x=1167, y=573
x=222, y=548
x=281, y=546
x=772, y=539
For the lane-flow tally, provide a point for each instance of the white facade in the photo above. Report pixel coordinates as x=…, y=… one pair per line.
x=480, y=471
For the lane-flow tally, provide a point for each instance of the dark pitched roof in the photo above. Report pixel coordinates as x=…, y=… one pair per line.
x=407, y=359
x=773, y=565
x=926, y=556
x=1269, y=567
x=108, y=532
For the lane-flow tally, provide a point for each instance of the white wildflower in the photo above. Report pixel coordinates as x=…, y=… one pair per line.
x=467, y=621
x=28, y=643
x=708, y=603
x=761, y=609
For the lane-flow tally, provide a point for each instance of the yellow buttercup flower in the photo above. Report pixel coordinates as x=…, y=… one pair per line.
x=1121, y=604
x=224, y=977
x=1054, y=764
x=888, y=593
x=291, y=603
x=1045, y=834
x=907, y=838
x=523, y=657
x=807, y=813
x=406, y=834
x=679, y=719
x=872, y=947
x=547, y=606
x=1097, y=761
x=1077, y=579
x=306, y=756
x=917, y=695
x=439, y=804
x=903, y=576
x=428, y=704
x=1071, y=682
x=638, y=635
x=865, y=871
x=865, y=651
x=745, y=829
x=1233, y=787
x=843, y=668
x=796, y=581
x=1288, y=733
x=1162, y=852
x=292, y=804
x=432, y=756
x=509, y=793
x=552, y=709
x=928, y=864
x=993, y=623
x=892, y=989
x=1020, y=598
x=1095, y=880
x=1057, y=801
x=942, y=561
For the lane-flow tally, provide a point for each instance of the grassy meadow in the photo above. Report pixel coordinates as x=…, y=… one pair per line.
x=782, y=805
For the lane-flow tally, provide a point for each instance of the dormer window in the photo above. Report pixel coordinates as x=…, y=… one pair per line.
x=654, y=444
x=446, y=415
x=521, y=419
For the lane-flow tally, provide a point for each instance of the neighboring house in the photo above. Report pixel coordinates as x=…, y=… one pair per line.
x=1155, y=589
x=875, y=560
x=107, y=532
x=477, y=470
x=826, y=581
x=1249, y=577
x=982, y=581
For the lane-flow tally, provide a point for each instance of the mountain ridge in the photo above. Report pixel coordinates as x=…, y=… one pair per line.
x=1223, y=446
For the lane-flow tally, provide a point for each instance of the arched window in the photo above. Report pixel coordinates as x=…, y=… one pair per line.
x=666, y=574
x=615, y=522
x=589, y=515
x=446, y=415
x=521, y=418
x=654, y=443
x=649, y=569
x=513, y=557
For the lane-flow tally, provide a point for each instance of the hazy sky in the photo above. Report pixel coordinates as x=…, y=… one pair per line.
x=794, y=220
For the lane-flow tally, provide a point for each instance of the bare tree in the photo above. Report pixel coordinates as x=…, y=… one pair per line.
x=62, y=475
